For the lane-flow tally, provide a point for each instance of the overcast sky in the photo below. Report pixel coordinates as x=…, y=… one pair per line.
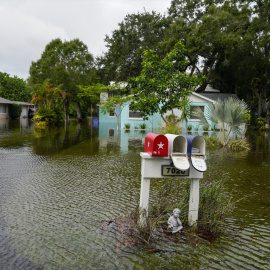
x=27, y=26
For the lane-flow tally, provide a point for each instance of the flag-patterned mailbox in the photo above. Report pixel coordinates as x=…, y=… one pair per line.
x=156, y=145
x=196, y=151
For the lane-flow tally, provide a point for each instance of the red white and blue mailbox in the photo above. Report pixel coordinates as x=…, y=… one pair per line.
x=156, y=145
x=196, y=151
x=170, y=156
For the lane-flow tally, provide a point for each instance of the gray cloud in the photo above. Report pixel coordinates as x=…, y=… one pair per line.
x=27, y=26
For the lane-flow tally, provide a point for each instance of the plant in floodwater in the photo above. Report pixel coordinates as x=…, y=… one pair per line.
x=206, y=127
x=142, y=126
x=212, y=142
x=49, y=100
x=170, y=128
x=239, y=145
x=214, y=207
x=228, y=115
x=127, y=126
x=189, y=127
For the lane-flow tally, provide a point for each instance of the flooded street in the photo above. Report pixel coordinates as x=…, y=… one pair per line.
x=58, y=189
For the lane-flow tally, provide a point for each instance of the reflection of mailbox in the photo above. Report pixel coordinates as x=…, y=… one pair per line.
x=156, y=145
x=178, y=151
x=196, y=151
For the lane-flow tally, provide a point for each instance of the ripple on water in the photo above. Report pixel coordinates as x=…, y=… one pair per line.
x=55, y=212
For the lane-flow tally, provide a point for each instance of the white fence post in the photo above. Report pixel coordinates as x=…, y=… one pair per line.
x=194, y=199
x=144, y=199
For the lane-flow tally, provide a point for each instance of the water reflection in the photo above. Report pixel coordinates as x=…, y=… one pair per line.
x=59, y=188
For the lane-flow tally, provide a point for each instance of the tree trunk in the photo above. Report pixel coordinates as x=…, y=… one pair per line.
x=79, y=111
x=66, y=109
x=260, y=102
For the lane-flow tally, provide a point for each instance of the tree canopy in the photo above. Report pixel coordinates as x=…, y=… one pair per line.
x=227, y=42
x=163, y=83
x=14, y=88
x=68, y=63
x=136, y=33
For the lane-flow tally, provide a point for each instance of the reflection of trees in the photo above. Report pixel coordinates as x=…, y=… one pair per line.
x=53, y=141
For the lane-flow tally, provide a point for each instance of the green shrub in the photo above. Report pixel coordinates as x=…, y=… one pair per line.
x=15, y=110
x=45, y=117
x=206, y=127
x=127, y=126
x=142, y=126
x=170, y=128
x=189, y=127
x=239, y=145
x=212, y=142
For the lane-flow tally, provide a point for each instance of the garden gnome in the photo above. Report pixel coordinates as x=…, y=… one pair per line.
x=174, y=223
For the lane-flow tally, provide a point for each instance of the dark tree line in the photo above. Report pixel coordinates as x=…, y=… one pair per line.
x=227, y=42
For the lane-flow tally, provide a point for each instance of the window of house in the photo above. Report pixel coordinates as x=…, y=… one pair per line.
x=134, y=114
x=112, y=113
x=3, y=108
x=110, y=94
x=192, y=108
x=111, y=132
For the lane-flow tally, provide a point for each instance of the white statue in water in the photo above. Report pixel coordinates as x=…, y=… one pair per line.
x=174, y=223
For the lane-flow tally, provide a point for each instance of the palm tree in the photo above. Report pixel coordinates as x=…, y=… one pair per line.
x=229, y=115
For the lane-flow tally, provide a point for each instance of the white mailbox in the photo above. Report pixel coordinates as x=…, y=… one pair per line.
x=177, y=150
x=196, y=151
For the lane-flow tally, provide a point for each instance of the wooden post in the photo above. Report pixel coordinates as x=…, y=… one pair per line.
x=194, y=201
x=151, y=167
x=144, y=199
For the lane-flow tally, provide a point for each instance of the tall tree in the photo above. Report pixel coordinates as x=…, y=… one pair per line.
x=163, y=83
x=68, y=63
x=210, y=30
x=14, y=88
x=136, y=33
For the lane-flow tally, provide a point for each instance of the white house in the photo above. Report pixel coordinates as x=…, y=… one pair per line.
x=5, y=108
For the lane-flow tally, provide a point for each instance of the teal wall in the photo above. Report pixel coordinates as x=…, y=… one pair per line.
x=153, y=123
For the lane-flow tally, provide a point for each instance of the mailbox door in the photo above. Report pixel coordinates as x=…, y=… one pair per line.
x=196, y=151
x=178, y=151
x=198, y=162
x=156, y=145
x=180, y=161
x=160, y=147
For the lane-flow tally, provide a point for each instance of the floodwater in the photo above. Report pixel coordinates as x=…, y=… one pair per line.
x=59, y=190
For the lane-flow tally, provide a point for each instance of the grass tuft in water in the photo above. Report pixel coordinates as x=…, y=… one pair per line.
x=215, y=206
x=238, y=145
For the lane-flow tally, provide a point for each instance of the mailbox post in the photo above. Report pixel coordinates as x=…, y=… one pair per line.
x=174, y=161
